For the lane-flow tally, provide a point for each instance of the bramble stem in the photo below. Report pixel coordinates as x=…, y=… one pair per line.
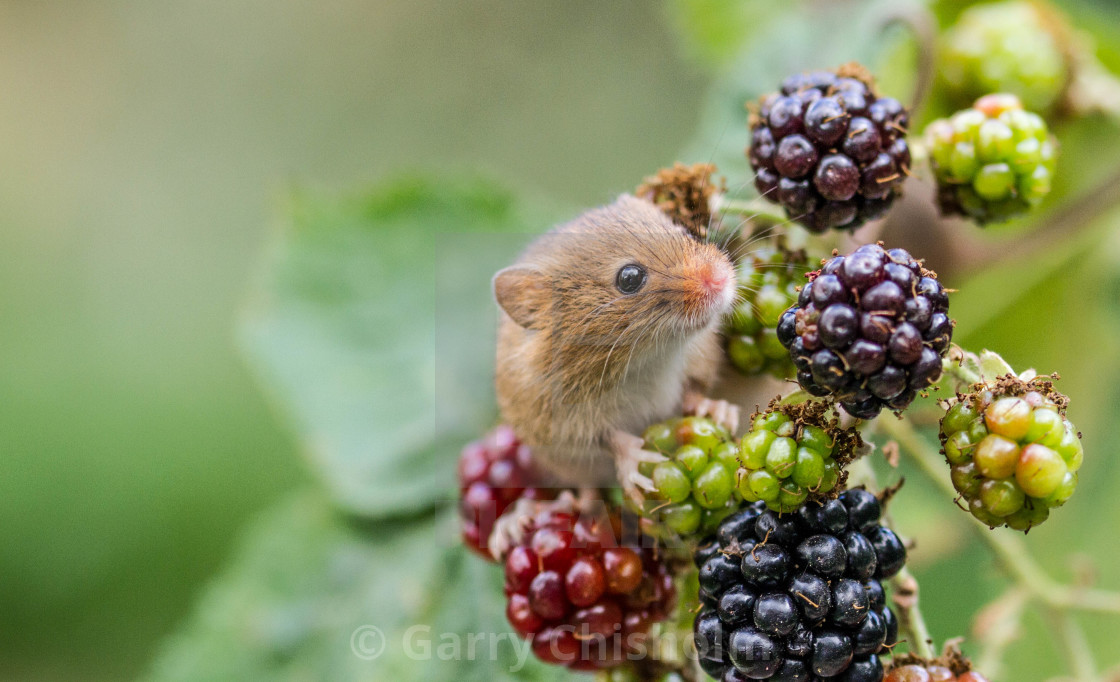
x=910, y=617
x=1056, y=599
x=753, y=209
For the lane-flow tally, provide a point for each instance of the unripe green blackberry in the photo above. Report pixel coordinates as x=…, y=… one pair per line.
x=793, y=453
x=1011, y=47
x=993, y=161
x=695, y=488
x=1013, y=454
x=768, y=281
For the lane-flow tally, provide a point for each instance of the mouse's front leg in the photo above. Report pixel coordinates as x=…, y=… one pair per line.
x=724, y=413
x=629, y=454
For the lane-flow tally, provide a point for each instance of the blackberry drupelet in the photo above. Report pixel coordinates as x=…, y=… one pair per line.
x=869, y=330
x=1013, y=454
x=993, y=161
x=798, y=596
x=494, y=472
x=829, y=149
x=768, y=281
x=585, y=601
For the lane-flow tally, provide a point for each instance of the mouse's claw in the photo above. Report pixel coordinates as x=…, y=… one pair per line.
x=722, y=412
x=630, y=454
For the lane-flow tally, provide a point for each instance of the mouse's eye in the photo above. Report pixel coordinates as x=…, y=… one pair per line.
x=630, y=278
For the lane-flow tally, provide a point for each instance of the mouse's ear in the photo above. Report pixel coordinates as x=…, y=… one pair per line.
x=523, y=294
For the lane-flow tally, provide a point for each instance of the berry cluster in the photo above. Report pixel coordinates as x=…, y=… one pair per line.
x=798, y=596
x=913, y=672
x=1013, y=453
x=789, y=457
x=768, y=281
x=583, y=600
x=829, y=150
x=1005, y=47
x=992, y=161
x=493, y=473
x=869, y=330
x=695, y=487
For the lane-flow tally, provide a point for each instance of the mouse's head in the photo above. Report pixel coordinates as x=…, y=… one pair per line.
x=623, y=274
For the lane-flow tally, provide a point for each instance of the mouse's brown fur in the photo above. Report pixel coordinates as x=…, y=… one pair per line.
x=578, y=361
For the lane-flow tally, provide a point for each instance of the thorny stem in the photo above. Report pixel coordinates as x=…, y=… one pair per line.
x=1056, y=599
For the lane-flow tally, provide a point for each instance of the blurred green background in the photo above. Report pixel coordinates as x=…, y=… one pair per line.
x=149, y=149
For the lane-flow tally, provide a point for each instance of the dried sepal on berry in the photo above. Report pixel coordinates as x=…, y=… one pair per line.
x=685, y=194
x=951, y=666
x=1013, y=453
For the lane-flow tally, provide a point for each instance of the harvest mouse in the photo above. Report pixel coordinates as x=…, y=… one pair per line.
x=610, y=323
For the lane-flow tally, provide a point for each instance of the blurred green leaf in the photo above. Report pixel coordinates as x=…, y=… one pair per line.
x=301, y=599
x=343, y=329
x=714, y=31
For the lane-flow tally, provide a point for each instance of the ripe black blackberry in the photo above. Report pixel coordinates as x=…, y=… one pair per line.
x=829, y=149
x=869, y=330
x=798, y=596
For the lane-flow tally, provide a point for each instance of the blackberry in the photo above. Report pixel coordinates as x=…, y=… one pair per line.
x=793, y=453
x=695, y=488
x=585, y=601
x=1010, y=47
x=829, y=149
x=993, y=161
x=1013, y=454
x=783, y=599
x=768, y=281
x=868, y=330
x=494, y=472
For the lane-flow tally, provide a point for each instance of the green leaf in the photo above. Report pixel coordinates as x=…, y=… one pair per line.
x=302, y=597
x=382, y=384
x=714, y=31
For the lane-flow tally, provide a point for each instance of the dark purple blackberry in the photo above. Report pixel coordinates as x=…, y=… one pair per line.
x=869, y=330
x=829, y=150
x=798, y=596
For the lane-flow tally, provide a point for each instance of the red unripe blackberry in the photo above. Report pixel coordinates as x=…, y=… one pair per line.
x=494, y=472
x=829, y=149
x=868, y=330
x=583, y=599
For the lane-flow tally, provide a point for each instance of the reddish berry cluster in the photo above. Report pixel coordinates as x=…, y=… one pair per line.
x=493, y=473
x=930, y=673
x=585, y=601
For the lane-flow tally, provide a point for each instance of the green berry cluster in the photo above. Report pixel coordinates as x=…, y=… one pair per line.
x=1012, y=452
x=993, y=161
x=695, y=486
x=768, y=281
x=1006, y=47
x=786, y=458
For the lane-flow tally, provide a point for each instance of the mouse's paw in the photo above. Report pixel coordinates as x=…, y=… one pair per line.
x=630, y=454
x=722, y=412
x=511, y=527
